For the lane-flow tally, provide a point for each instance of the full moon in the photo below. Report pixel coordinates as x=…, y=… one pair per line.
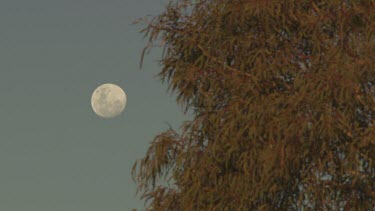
x=108, y=100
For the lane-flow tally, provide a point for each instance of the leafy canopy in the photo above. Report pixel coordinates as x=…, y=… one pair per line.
x=283, y=96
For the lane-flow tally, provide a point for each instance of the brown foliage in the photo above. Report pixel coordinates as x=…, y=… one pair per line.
x=283, y=94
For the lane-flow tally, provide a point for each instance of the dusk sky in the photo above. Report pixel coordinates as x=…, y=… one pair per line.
x=56, y=154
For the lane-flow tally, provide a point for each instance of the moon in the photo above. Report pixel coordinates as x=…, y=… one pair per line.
x=108, y=100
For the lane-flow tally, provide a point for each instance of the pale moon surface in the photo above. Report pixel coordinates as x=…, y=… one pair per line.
x=108, y=100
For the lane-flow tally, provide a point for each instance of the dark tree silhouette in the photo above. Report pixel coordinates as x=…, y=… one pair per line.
x=283, y=97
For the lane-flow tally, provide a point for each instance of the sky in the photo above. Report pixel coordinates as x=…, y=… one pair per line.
x=56, y=154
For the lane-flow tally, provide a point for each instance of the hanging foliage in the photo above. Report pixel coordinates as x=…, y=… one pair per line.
x=283, y=96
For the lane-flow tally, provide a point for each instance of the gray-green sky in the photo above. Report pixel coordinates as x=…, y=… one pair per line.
x=55, y=153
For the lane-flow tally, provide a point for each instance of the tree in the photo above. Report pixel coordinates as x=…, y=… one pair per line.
x=283, y=96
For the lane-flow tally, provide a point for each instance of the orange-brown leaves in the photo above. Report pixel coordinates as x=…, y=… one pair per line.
x=282, y=94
